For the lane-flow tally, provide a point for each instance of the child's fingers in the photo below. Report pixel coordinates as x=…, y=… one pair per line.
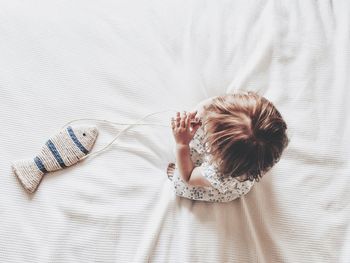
x=172, y=123
x=194, y=129
x=178, y=119
x=193, y=114
x=183, y=120
x=188, y=120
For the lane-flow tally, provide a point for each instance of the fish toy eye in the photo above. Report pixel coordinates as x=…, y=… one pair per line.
x=84, y=134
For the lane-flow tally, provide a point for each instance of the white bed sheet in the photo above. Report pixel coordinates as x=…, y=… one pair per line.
x=119, y=60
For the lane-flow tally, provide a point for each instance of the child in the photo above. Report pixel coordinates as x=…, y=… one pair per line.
x=224, y=145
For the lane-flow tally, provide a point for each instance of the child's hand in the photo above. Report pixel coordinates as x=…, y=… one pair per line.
x=181, y=127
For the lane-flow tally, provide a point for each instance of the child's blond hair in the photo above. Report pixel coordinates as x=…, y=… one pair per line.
x=245, y=133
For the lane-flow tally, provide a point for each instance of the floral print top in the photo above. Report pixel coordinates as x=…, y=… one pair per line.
x=222, y=189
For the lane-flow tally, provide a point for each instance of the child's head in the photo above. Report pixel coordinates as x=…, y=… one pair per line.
x=245, y=133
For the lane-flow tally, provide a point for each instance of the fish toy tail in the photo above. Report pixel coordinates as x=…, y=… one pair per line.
x=28, y=174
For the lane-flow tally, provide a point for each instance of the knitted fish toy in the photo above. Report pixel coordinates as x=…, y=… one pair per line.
x=63, y=149
x=67, y=147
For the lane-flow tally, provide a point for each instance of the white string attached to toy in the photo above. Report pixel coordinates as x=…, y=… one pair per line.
x=129, y=125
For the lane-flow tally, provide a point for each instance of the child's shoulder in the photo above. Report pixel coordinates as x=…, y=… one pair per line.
x=223, y=183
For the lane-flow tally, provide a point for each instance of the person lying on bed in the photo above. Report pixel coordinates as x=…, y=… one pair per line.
x=224, y=145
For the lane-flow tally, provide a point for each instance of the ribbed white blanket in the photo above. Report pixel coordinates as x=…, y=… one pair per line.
x=119, y=60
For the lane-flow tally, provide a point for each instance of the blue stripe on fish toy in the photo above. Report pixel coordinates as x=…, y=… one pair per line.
x=63, y=149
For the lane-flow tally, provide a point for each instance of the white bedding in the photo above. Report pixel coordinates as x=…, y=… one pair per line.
x=119, y=60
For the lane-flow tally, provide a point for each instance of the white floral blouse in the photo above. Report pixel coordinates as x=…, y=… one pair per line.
x=222, y=189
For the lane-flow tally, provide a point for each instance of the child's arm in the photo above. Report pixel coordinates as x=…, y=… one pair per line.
x=183, y=135
x=190, y=174
x=197, y=178
x=184, y=162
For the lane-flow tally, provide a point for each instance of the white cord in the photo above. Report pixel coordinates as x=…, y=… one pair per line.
x=129, y=125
